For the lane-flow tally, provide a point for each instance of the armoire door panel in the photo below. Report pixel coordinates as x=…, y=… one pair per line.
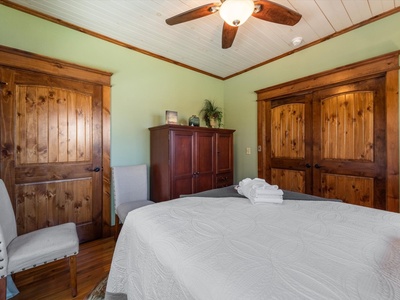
x=205, y=161
x=182, y=147
x=224, y=153
x=205, y=158
x=182, y=186
x=182, y=159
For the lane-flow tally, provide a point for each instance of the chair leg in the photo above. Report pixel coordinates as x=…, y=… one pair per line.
x=3, y=288
x=117, y=227
x=72, y=273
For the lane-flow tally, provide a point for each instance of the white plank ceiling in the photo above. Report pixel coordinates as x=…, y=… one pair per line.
x=197, y=43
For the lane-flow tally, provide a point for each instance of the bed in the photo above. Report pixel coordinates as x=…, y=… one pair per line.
x=214, y=246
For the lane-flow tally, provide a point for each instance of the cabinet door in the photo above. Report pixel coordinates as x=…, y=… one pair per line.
x=205, y=161
x=224, y=159
x=182, y=162
x=224, y=152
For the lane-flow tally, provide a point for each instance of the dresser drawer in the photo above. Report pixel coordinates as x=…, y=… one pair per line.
x=224, y=179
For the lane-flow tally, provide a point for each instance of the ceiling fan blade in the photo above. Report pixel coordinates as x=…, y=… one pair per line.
x=276, y=13
x=194, y=13
x=228, y=35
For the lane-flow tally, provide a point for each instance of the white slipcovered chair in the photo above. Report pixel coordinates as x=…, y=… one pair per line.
x=19, y=253
x=130, y=191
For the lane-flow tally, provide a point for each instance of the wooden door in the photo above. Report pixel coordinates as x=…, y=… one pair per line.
x=330, y=149
x=53, y=131
x=350, y=143
x=358, y=163
x=290, y=139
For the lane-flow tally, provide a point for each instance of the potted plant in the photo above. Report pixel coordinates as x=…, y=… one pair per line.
x=211, y=114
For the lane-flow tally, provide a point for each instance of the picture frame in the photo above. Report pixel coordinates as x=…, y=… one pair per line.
x=171, y=117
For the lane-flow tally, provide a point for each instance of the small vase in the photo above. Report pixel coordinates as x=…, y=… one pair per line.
x=194, y=121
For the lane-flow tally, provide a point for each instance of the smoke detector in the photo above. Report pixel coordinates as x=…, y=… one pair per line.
x=297, y=41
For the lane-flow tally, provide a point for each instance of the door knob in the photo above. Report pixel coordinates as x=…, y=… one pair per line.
x=97, y=169
x=308, y=165
x=317, y=166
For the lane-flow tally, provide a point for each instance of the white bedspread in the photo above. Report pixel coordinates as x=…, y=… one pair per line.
x=227, y=248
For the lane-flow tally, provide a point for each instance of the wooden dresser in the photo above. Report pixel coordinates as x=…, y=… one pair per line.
x=187, y=159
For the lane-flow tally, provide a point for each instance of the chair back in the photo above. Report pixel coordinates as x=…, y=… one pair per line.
x=7, y=217
x=129, y=183
x=8, y=227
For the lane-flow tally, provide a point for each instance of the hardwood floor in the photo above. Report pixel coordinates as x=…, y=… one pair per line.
x=52, y=281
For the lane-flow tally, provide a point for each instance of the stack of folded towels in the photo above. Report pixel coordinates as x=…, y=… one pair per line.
x=259, y=191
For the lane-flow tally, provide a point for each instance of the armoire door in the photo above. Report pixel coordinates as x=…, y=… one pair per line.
x=332, y=143
x=52, y=130
x=224, y=157
x=182, y=164
x=193, y=162
x=204, y=161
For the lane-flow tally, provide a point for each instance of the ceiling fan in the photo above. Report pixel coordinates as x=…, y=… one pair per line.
x=236, y=12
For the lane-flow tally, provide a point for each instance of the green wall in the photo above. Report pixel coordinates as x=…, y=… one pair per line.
x=144, y=87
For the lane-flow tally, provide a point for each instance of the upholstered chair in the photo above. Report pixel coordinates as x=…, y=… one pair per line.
x=129, y=190
x=19, y=253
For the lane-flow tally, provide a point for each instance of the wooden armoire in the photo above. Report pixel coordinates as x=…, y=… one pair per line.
x=335, y=134
x=189, y=159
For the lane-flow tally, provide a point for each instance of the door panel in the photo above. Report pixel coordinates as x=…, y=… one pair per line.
x=288, y=131
x=51, y=203
x=350, y=189
x=182, y=144
x=224, y=152
x=56, y=144
x=205, y=161
x=347, y=126
x=290, y=180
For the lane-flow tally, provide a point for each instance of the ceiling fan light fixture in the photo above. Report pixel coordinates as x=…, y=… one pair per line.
x=236, y=12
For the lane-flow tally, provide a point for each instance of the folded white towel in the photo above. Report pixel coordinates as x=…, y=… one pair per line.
x=271, y=199
x=259, y=191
